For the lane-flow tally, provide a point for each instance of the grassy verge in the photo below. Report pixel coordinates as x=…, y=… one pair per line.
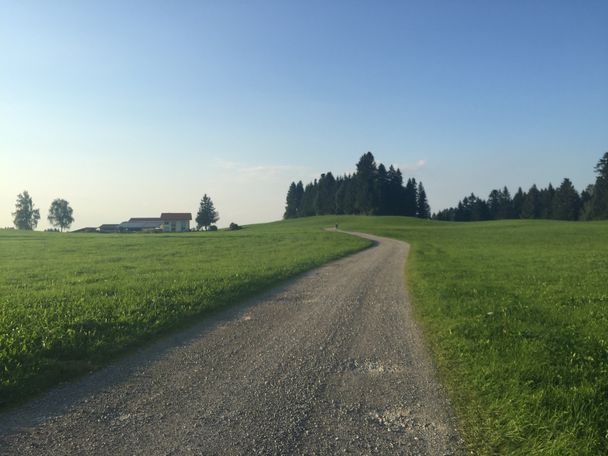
x=71, y=302
x=516, y=313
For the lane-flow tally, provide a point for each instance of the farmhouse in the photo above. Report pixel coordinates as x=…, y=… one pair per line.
x=175, y=221
x=168, y=222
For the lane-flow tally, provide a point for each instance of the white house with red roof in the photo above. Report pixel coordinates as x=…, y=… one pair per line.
x=175, y=221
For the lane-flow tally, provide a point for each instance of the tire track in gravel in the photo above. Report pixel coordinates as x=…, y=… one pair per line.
x=330, y=362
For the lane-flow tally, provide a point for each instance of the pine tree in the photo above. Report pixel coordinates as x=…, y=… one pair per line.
x=381, y=191
x=546, y=202
x=325, y=199
x=299, y=194
x=567, y=202
x=599, y=200
x=518, y=202
x=207, y=215
x=365, y=201
x=530, y=208
x=345, y=196
x=410, y=199
x=423, y=208
x=394, y=191
x=291, y=207
x=308, y=199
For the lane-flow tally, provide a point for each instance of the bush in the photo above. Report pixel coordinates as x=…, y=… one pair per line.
x=212, y=228
x=234, y=227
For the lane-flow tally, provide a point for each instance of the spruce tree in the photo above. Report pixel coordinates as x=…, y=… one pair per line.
x=364, y=183
x=530, y=208
x=395, y=190
x=567, y=202
x=325, y=198
x=291, y=207
x=518, y=202
x=207, y=215
x=599, y=200
x=423, y=208
x=298, y=198
x=410, y=199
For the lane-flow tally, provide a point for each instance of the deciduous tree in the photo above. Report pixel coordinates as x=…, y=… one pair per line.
x=25, y=216
x=60, y=214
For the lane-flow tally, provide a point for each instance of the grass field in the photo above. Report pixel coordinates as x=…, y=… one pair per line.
x=516, y=313
x=71, y=302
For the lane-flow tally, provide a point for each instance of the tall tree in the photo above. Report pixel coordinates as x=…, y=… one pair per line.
x=423, y=208
x=25, y=216
x=381, y=190
x=308, y=199
x=599, y=200
x=365, y=201
x=345, y=196
x=325, y=199
x=546, y=202
x=518, y=203
x=291, y=205
x=60, y=214
x=298, y=198
x=567, y=202
x=395, y=190
x=207, y=215
x=410, y=199
x=530, y=208
x=586, y=202
x=506, y=204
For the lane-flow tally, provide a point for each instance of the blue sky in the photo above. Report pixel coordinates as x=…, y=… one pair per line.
x=130, y=108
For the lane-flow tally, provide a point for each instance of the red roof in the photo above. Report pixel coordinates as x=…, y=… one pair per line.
x=176, y=216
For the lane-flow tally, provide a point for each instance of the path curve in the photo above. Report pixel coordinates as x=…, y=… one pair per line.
x=331, y=362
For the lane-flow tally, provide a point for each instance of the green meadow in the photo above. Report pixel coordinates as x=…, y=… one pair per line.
x=71, y=302
x=516, y=315
x=515, y=312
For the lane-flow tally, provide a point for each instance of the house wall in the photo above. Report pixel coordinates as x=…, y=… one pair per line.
x=176, y=225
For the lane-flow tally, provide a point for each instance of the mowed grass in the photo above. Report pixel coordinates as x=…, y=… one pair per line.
x=516, y=313
x=71, y=302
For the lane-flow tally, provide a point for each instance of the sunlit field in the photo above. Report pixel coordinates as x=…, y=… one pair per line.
x=71, y=302
x=516, y=313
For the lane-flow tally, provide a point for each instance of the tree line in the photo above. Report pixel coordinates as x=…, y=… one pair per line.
x=371, y=190
x=561, y=203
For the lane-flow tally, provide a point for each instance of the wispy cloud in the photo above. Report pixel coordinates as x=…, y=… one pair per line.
x=260, y=171
x=412, y=167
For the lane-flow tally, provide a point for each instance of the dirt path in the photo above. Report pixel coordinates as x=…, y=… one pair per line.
x=329, y=363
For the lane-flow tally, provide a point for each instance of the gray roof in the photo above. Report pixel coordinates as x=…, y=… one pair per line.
x=144, y=225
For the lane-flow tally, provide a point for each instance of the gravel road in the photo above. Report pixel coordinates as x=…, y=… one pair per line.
x=329, y=363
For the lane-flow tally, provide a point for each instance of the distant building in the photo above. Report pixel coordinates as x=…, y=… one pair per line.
x=169, y=222
x=141, y=224
x=175, y=221
x=88, y=229
x=109, y=228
